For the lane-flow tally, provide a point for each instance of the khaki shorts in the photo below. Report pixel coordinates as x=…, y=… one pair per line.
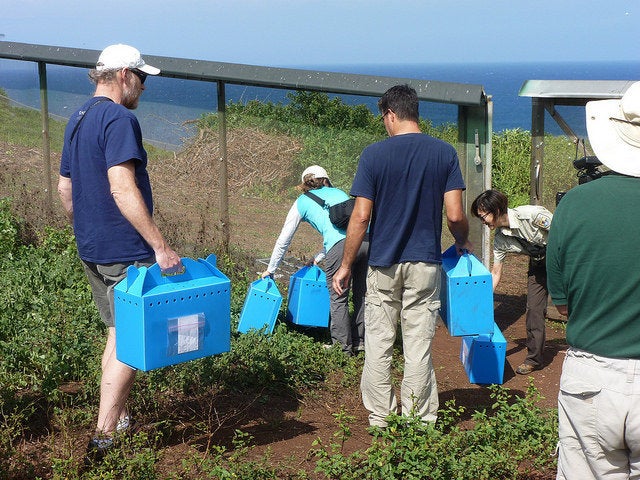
x=599, y=417
x=102, y=279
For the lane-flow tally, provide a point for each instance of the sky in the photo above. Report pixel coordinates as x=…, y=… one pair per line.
x=337, y=32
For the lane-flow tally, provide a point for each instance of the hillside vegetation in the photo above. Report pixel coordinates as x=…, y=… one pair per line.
x=51, y=337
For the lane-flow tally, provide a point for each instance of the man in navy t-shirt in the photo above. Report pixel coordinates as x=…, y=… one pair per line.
x=105, y=190
x=401, y=186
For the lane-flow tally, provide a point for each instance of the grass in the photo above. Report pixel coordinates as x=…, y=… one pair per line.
x=23, y=126
x=51, y=340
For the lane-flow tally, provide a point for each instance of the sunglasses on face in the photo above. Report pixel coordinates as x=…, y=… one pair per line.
x=140, y=74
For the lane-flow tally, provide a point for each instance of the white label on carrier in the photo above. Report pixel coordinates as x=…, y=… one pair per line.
x=188, y=329
x=465, y=353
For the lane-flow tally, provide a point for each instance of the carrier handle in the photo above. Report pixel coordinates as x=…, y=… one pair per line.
x=174, y=272
x=465, y=253
x=270, y=283
x=318, y=272
x=190, y=268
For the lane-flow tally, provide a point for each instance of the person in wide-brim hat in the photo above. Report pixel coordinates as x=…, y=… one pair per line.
x=593, y=278
x=613, y=127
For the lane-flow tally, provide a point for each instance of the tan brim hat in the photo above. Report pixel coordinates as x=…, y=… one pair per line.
x=613, y=127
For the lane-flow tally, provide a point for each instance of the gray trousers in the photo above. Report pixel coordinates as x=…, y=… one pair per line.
x=537, y=294
x=345, y=329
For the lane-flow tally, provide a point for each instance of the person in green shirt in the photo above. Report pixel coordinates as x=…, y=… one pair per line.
x=594, y=279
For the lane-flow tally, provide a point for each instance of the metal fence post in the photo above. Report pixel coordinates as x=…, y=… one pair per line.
x=46, y=152
x=475, y=154
x=537, y=149
x=224, y=180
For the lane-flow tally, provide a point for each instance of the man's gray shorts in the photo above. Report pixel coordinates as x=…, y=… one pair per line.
x=102, y=278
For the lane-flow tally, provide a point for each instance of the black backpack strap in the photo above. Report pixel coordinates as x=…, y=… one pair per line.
x=75, y=129
x=537, y=252
x=316, y=199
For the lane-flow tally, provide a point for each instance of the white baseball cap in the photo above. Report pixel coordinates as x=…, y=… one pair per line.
x=614, y=131
x=118, y=56
x=315, y=170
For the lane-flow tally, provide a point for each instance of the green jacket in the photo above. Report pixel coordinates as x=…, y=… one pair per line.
x=593, y=265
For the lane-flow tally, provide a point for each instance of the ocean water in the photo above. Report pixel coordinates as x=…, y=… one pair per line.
x=169, y=106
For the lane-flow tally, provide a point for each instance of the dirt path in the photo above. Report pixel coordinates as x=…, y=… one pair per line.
x=314, y=419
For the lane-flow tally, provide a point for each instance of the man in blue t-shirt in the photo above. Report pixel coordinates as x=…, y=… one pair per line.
x=105, y=190
x=401, y=186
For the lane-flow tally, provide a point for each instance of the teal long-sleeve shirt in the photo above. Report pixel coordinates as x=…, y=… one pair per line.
x=593, y=265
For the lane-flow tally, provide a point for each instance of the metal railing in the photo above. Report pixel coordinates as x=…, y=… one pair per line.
x=474, y=106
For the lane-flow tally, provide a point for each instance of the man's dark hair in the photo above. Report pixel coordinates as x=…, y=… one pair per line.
x=401, y=100
x=490, y=201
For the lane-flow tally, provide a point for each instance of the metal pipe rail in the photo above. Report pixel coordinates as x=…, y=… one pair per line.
x=475, y=108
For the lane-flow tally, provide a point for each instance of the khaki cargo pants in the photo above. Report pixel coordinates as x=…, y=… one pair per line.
x=409, y=294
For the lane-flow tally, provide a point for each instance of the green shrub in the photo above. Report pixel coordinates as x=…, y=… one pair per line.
x=511, y=160
x=284, y=362
x=48, y=324
x=511, y=167
x=558, y=174
x=9, y=230
x=515, y=438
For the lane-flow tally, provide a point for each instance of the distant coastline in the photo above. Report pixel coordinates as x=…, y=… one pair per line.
x=168, y=103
